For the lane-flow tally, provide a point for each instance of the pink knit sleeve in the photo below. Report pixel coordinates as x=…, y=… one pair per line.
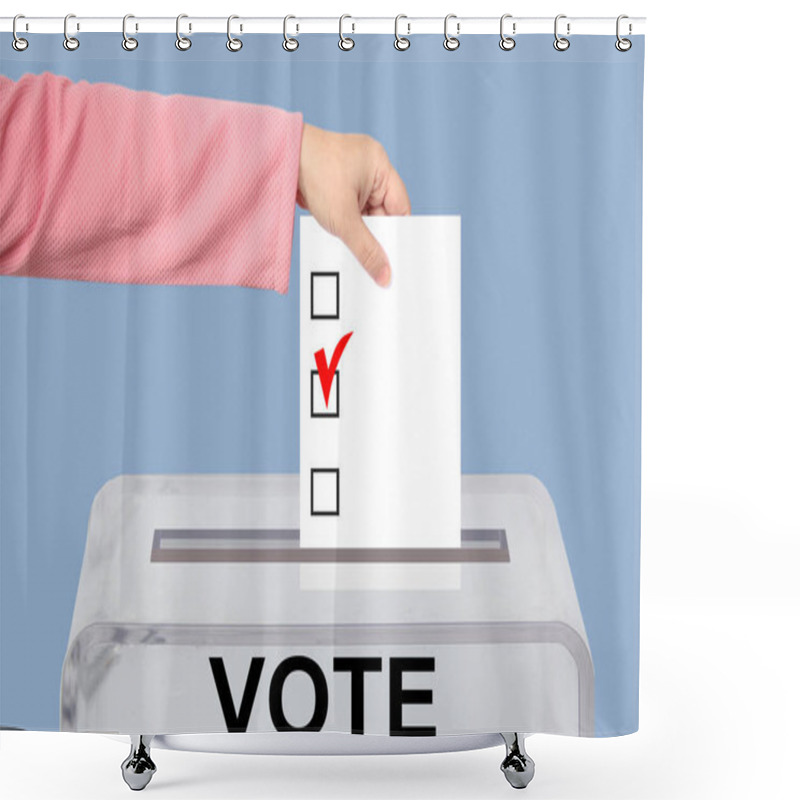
x=105, y=183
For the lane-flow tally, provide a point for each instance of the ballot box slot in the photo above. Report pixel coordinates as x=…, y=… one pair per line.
x=283, y=545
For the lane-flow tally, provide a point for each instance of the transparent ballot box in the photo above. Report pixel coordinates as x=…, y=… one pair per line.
x=192, y=623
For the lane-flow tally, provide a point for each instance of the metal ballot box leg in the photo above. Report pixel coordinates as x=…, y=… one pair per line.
x=138, y=768
x=517, y=766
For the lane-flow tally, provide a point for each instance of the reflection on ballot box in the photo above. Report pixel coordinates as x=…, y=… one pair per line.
x=190, y=617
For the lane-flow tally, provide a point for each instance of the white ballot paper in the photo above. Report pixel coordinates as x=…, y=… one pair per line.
x=380, y=403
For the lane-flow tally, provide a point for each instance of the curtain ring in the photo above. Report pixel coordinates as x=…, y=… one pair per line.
x=401, y=42
x=345, y=42
x=129, y=43
x=18, y=43
x=70, y=42
x=507, y=42
x=182, y=42
x=561, y=43
x=290, y=44
x=451, y=42
x=623, y=45
x=233, y=44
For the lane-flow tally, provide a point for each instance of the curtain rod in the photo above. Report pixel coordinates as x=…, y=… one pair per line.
x=298, y=25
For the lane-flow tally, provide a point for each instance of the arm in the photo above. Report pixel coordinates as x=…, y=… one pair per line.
x=105, y=183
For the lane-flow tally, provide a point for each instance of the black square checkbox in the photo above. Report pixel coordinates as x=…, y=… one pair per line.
x=318, y=407
x=324, y=295
x=324, y=492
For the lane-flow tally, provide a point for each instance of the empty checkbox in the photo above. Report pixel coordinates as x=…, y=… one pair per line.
x=324, y=492
x=318, y=406
x=324, y=295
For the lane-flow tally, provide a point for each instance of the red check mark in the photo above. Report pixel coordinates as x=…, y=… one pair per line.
x=327, y=371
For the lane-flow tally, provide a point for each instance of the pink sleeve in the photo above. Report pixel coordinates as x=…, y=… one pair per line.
x=105, y=183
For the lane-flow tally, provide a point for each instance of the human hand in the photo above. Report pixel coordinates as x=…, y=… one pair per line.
x=343, y=176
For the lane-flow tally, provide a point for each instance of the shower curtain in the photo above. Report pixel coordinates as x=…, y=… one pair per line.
x=320, y=371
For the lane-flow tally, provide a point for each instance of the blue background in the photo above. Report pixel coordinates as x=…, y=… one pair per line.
x=540, y=154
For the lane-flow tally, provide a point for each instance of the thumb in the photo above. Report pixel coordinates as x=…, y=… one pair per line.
x=366, y=248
